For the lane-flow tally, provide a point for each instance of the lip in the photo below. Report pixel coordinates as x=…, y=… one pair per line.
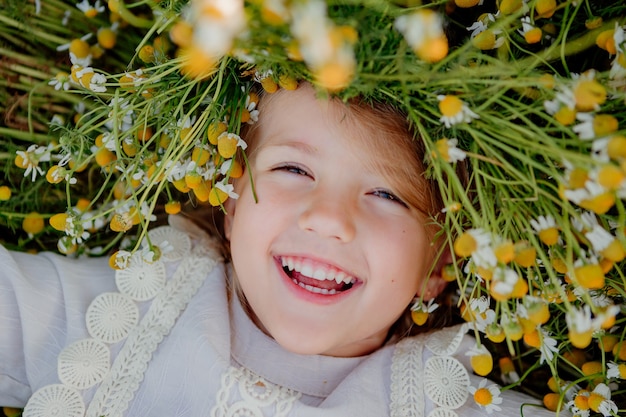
x=315, y=298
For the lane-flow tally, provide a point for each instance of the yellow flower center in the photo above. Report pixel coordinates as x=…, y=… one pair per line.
x=595, y=400
x=33, y=223
x=603, y=124
x=227, y=146
x=533, y=36
x=549, y=236
x=195, y=63
x=589, y=94
x=590, y=276
x=419, y=317
x=599, y=204
x=545, y=8
x=465, y=245
x=525, y=255
x=565, y=116
x=172, y=207
x=616, y=147
x=615, y=251
x=485, y=40
x=505, y=252
x=482, y=364
x=582, y=400
x=483, y=397
x=580, y=339
x=217, y=197
x=106, y=38
x=146, y=54
x=80, y=48
x=434, y=50
x=5, y=193
x=334, y=76
x=450, y=106
x=510, y=6
x=58, y=221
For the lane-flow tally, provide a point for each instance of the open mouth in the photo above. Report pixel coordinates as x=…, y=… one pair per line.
x=317, y=278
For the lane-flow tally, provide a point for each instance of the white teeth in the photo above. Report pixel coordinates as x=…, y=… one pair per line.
x=320, y=274
x=316, y=290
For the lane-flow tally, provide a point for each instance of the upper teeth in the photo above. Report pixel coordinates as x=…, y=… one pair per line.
x=318, y=272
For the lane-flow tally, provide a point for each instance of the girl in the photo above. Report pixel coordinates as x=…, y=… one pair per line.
x=331, y=239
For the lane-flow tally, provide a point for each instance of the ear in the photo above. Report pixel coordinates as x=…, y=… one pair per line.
x=435, y=284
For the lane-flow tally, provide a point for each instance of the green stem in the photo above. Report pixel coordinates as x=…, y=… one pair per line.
x=22, y=135
x=120, y=8
x=37, y=33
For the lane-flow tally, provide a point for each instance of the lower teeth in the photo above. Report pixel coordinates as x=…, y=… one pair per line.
x=315, y=290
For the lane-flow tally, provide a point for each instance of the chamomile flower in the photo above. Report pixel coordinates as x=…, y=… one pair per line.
x=61, y=81
x=423, y=31
x=120, y=259
x=549, y=346
x=507, y=370
x=448, y=151
x=483, y=37
x=546, y=228
x=480, y=359
x=30, y=158
x=600, y=401
x=90, y=10
x=581, y=326
x=487, y=397
x=421, y=310
x=216, y=25
x=616, y=370
x=454, y=111
x=531, y=33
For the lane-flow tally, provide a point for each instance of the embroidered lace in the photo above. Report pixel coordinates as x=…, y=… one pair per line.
x=258, y=397
x=113, y=317
x=443, y=378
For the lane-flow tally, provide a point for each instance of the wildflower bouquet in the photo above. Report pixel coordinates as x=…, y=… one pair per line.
x=118, y=113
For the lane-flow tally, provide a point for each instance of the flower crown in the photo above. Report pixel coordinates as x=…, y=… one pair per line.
x=141, y=114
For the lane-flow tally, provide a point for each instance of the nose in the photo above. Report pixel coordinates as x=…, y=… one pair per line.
x=329, y=217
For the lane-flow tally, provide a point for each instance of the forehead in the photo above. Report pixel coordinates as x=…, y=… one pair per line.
x=378, y=136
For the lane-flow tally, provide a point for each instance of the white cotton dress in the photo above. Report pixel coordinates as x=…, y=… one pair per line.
x=162, y=339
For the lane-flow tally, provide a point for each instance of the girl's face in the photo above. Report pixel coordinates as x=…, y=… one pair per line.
x=327, y=258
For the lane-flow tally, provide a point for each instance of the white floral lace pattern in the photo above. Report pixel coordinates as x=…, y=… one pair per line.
x=113, y=317
x=258, y=397
x=442, y=378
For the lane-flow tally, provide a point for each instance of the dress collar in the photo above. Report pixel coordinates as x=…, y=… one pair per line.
x=313, y=375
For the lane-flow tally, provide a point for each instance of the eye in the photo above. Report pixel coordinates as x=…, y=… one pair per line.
x=388, y=195
x=292, y=169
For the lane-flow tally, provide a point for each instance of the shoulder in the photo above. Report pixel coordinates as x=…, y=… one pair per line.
x=431, y=375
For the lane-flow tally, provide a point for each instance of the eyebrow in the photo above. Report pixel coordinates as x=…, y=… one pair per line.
x=291, y=144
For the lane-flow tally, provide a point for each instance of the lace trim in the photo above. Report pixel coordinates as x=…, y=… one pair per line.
x=114, y=316
x=442, y=378
x=407, y=383
x=257, y=396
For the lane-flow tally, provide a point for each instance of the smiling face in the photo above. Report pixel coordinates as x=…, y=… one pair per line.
x=330, y=255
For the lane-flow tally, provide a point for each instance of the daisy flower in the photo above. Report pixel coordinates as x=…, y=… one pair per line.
x=448, y=151
x=548, y=347
x=61, y=81
x=423, y=31
x=581, y=326
x=616, y=370
x=600, y=401
x=454, y=111
x=90, y=10
x=487, y=397
x=546, y=228
x=481, y=360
